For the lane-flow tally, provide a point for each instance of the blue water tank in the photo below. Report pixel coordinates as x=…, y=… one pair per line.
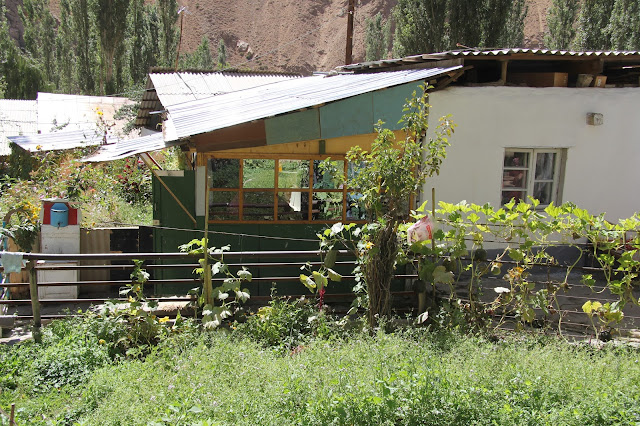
x=60, y=215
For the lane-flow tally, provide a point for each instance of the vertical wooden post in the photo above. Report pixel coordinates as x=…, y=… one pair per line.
x=433, y=240
x=35, y=302
x=349, y=50
x=207, y=287
x=12, y=415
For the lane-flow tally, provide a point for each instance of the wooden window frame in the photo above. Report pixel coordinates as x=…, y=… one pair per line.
x=276, y=190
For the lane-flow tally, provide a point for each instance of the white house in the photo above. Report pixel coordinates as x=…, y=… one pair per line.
x=559, y=126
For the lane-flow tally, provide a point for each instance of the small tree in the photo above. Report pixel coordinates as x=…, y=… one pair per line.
x=222, y=54
x=387, y=177
x=377, y=38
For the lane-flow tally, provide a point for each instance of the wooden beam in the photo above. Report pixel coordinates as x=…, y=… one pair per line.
x=246, y=135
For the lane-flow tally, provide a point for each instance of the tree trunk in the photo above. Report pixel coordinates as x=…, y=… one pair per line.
x=378, y=272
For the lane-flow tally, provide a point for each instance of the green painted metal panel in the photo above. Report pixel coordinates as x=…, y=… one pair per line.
x=388, y=104
x=167, y=211
x=348, y=117
x=293, y=127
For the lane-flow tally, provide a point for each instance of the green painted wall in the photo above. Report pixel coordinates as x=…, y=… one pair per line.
x=388, y=103
x=293, y=127
x=347, y=117
x=352, y=116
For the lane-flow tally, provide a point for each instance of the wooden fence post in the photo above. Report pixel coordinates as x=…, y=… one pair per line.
x=35, y=302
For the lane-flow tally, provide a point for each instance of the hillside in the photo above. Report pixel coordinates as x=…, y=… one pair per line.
x=289, y=35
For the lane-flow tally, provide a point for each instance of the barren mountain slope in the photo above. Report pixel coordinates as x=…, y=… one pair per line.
x=290, y=35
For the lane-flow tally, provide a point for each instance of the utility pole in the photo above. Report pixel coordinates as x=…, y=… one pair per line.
x=349, y=50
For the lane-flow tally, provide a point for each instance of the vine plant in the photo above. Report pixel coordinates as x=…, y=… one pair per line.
x=527, y=233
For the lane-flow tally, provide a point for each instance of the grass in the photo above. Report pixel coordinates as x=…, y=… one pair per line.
x=408, y=377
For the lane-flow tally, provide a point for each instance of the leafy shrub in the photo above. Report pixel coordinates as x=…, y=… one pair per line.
x=285, y=323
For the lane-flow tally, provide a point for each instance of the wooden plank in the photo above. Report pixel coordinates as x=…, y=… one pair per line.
x=241, y=136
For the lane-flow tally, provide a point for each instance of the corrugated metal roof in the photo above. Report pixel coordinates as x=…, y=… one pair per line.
x=206, y=115
x=165, y=89
x=17, y=117
x=428, y=57
x=64, y=139
x=58, y=121
x=126, y=148
x=56, y=111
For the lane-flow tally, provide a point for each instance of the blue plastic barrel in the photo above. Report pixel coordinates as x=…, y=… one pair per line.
x=59, y=215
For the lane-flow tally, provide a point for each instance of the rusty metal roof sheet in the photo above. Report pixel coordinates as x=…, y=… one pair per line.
x=225, y=110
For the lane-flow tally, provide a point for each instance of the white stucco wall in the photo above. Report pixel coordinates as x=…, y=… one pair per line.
x=603, y=162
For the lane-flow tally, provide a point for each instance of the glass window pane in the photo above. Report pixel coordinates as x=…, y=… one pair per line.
x=543, y=191
x=293, y=174
x=258, y=173
x=329, y=176
x=223, y=205
x=327, y=206
x=514, y=179
x=293, y=205
x=516, y=159
x=355, y=207
x=517, y=195
x=257, y=206
x=224, y=173
x=545, y=165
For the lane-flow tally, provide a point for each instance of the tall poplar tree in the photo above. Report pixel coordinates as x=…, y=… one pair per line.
x=561, y=18
x=143, y=39
x=168, y=31
x=64, y=79
x=377, y=38
x=85, y=45
x=593, y=20
x=111, y=25
x=39, y=34
x=438, y=25
x=624, y=25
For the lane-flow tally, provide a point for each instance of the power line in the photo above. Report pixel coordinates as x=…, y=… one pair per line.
x=234, y=234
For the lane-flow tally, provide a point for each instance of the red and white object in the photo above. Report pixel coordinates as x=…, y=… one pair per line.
x=422, y=230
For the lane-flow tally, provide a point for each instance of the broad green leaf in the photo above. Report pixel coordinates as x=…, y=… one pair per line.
x=320, y=280
x=441, y=275
x=528, y=314
x=245, y=275
x=333, y=275
x=516, y=255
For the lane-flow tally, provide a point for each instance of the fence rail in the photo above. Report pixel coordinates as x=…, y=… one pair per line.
x=272, y=264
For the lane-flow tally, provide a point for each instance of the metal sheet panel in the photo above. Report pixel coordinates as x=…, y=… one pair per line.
x=206, y=115
x=175, y=88
x=430, y=57
x=69, y=139
x=126, y=148
x=17, y=117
